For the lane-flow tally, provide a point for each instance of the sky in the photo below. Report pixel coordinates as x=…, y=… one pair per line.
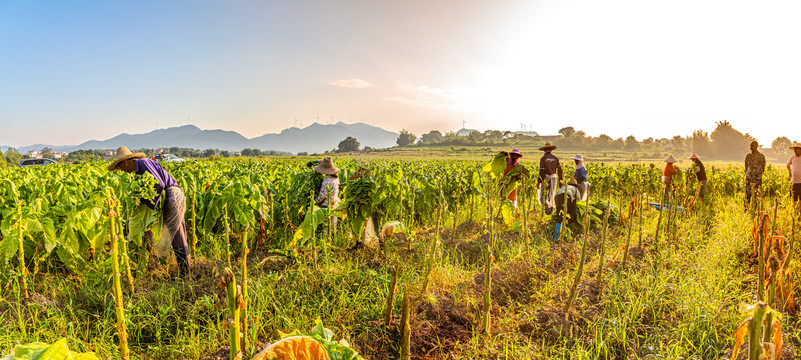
x=72, y=71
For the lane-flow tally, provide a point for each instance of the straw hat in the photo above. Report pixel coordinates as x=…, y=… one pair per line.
x=577, y=157
x=795, y=145
x=326, y=167
x=694, y=156
x=575, y=183
x=548, y=147
x=516, y=152
x=670, y=160
x=124, y=154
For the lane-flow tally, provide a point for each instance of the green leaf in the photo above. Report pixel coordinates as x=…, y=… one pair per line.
x=508, y=212
x=496, y=166
x=42, y=351
x=306, y=229
x=320, y=331
x=8, y=247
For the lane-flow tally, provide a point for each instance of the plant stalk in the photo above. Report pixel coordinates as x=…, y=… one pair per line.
x=23, y=270
x=115, y=249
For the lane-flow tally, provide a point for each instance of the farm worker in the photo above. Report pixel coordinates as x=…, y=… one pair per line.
x=573, y=191
x=670, y=171
x=328, y=196
x=754, y=168
x=512, y=161
x=700, y=174
x=173, y=207
x=794, y=170
x=581, y=175
x=550, y=175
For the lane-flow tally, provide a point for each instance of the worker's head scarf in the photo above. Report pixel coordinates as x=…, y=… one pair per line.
x=512, y=160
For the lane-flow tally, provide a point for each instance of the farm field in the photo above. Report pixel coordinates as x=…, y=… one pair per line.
x=454, y=272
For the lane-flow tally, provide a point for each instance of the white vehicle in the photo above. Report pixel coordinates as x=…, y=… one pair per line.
x=168, y=158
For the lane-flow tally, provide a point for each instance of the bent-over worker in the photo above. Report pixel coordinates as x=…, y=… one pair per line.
x=173, y=205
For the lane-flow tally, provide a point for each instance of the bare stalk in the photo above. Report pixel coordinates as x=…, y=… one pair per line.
x=602, y=249
x=121, y=328
x=486, y=319
x=577, y=278
x=391, y=297
x=406, y=331
x=628, y=236
x=244, y=304
x=23, y=270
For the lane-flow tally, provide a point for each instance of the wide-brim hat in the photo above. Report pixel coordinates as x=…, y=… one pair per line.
x=670, y=160
x=795, y=145
x=516, y=152
x=577, y=157
x=694, y=156
x=548, y=147
x=124, y=154
x=326, y=167
x=575, y=183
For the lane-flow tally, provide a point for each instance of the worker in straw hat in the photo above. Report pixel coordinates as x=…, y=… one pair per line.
x=670, y=171
x=173, y=205
x=550, y=175
x=581, y=175
x=328, y=194
x=754, y=168
x=794, y=170
x=700, y=174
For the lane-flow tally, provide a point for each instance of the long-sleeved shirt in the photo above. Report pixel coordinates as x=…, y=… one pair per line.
x=700, y=171
x=164, y=179
x=329, y=190
x=581, y=173
x=549, y=165
x=795, y=169
x=669, y=172
x=754, y=167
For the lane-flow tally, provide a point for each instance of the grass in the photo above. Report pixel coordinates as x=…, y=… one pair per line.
x=678, y=298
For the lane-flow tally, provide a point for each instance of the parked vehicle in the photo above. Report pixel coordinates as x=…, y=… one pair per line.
x=26, y=162
x=167, y=158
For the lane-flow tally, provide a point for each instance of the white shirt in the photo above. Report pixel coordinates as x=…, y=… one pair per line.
x=795, y=169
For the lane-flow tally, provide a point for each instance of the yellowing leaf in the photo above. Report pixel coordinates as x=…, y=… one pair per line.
x=739, y=337
x=777, y=340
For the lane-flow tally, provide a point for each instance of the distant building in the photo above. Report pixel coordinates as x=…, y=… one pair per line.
x=34, y=154
x=58, y=155
x=162, y=150
x=527, y=133
x=110, y=152
x=464, y=132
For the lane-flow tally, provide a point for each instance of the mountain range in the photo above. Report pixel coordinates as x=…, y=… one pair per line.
x=315, y=138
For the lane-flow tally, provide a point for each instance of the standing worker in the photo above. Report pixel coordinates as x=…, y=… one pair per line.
x=550, y=175
x=511, y=163
x=700, y=174
x=794, y=170
x=173, y=207
x=754, y=168
x=328, y=196
x=581, y=175
x=670, y=171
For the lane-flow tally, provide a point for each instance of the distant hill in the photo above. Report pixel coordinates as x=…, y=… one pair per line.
x=315, y=138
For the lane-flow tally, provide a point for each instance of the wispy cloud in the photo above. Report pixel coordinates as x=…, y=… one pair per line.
x=434, y=98
x=350, y=83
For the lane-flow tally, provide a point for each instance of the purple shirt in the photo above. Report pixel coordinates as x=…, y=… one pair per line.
x=164, y=179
